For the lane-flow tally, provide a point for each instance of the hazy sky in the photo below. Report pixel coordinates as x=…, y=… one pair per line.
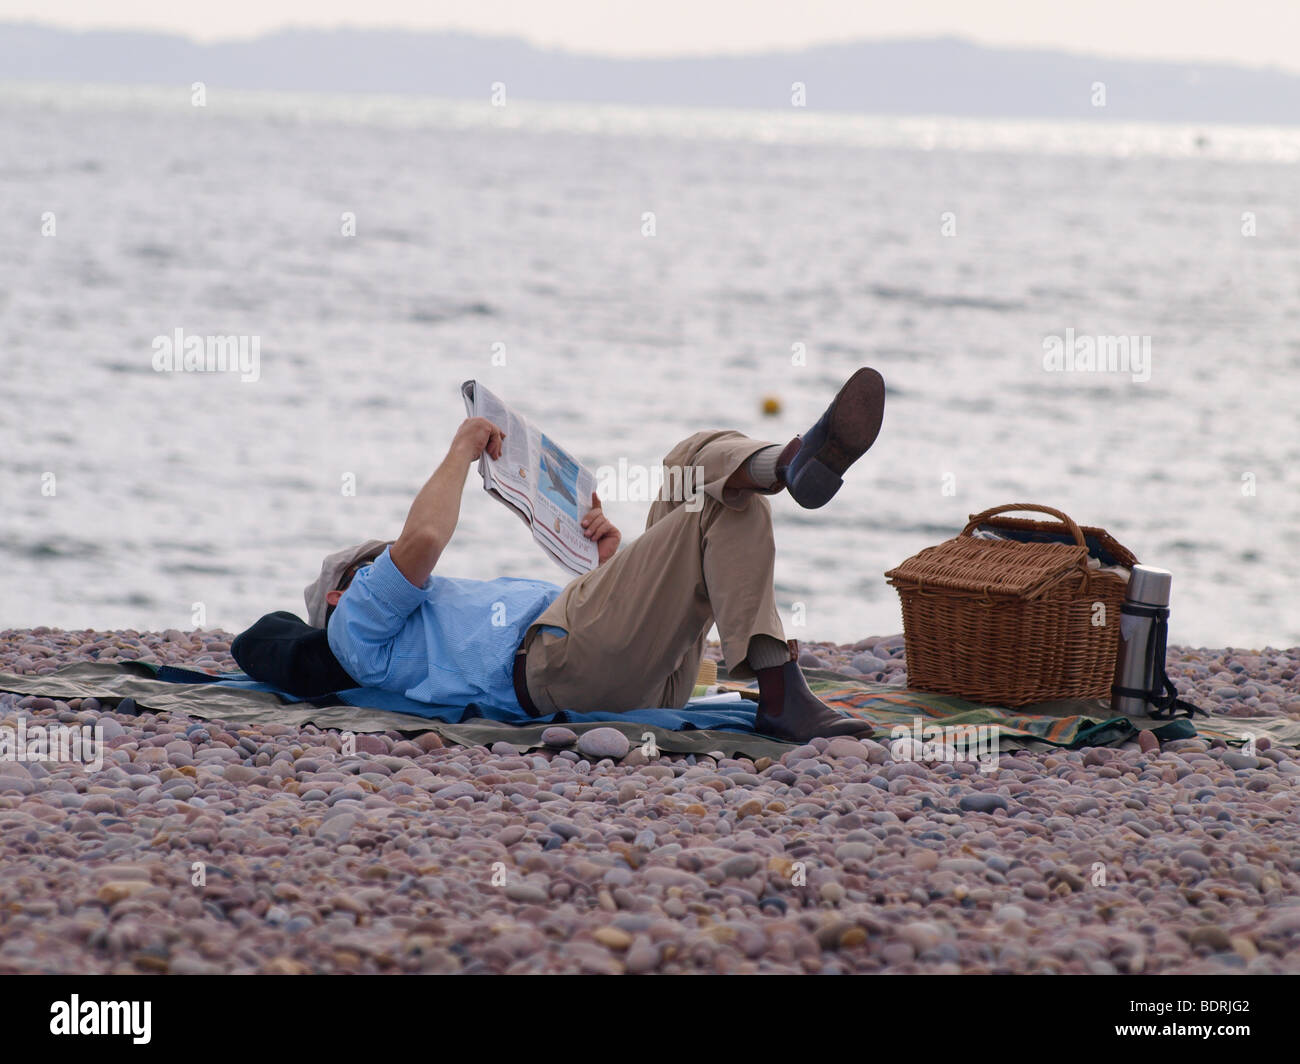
x=1252, y=32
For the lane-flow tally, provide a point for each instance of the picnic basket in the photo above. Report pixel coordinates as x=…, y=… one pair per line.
x=1013, y=621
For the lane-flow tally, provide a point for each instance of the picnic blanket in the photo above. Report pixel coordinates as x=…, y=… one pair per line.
x=699, y=729
x=240, y=702
x=1070, y=723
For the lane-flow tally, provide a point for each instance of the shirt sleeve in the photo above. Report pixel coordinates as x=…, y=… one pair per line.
x=369, y=616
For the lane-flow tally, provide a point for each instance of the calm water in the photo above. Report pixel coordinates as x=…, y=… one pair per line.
x=522, y=227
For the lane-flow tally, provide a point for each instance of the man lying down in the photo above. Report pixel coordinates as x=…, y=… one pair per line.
x=627, y=635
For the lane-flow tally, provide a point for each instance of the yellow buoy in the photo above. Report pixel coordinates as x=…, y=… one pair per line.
x=771, y=405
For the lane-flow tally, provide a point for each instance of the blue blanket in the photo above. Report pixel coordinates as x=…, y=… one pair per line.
x=739, y=717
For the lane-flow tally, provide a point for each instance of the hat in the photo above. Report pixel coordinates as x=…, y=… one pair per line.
x=332, y=572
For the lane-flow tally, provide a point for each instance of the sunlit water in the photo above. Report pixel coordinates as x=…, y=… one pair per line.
x=941, y=251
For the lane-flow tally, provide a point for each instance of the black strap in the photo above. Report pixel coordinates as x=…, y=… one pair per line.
x=519, y=675
x=1163, y=696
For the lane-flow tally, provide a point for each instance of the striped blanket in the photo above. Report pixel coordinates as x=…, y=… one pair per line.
x=1069, y=723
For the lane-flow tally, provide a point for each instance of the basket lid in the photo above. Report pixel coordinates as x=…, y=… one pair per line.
x=994, y=567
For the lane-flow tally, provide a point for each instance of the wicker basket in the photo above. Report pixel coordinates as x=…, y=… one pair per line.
x=1008, y=622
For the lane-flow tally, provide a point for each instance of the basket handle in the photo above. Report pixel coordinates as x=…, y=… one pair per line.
x=979, y=519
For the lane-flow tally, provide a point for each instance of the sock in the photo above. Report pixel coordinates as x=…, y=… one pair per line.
x=766, y=652
x=762, y=466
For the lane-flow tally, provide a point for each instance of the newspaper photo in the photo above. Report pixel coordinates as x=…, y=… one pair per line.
x=538, y=479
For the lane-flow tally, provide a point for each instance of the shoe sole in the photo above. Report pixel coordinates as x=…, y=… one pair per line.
x=857, y=413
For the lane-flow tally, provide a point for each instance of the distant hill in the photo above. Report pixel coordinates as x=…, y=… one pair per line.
x=933, y=76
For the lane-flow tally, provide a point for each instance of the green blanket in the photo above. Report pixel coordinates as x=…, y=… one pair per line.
x=241, y=708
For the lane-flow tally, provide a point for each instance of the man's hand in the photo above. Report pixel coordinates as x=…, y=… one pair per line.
x=475, y=435
x=599, y=528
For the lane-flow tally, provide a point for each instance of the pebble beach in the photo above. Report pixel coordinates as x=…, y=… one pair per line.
x=203, y=848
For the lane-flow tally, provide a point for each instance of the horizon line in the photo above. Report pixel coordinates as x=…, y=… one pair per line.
x=649, y=57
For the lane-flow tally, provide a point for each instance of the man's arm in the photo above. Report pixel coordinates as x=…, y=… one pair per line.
x=433, y=516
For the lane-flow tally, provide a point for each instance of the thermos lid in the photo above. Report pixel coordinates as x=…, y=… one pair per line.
x=1149, y=585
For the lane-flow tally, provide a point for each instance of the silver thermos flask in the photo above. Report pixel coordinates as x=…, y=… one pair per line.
x=1140, y=663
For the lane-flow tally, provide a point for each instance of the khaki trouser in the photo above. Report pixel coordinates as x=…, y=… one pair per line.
x=636, y=626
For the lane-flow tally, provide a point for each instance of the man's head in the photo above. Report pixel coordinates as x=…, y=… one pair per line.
x=336, y=573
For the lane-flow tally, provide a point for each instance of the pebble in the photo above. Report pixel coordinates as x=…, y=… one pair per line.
x=854, y=851
x=612, y=938
x=982, y=802
x=559, y=737
x=109, y=728
x=642, y=956
x=868, y=663
x=603, y=742
x=523, y=891
x=337, y=828
x=843, y=746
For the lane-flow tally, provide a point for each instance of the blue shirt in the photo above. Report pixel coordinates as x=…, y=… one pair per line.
x=450, y=642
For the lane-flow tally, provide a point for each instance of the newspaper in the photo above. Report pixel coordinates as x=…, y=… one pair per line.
x=537, y=479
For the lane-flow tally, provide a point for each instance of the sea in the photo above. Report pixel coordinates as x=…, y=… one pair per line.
x=1099, y=317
